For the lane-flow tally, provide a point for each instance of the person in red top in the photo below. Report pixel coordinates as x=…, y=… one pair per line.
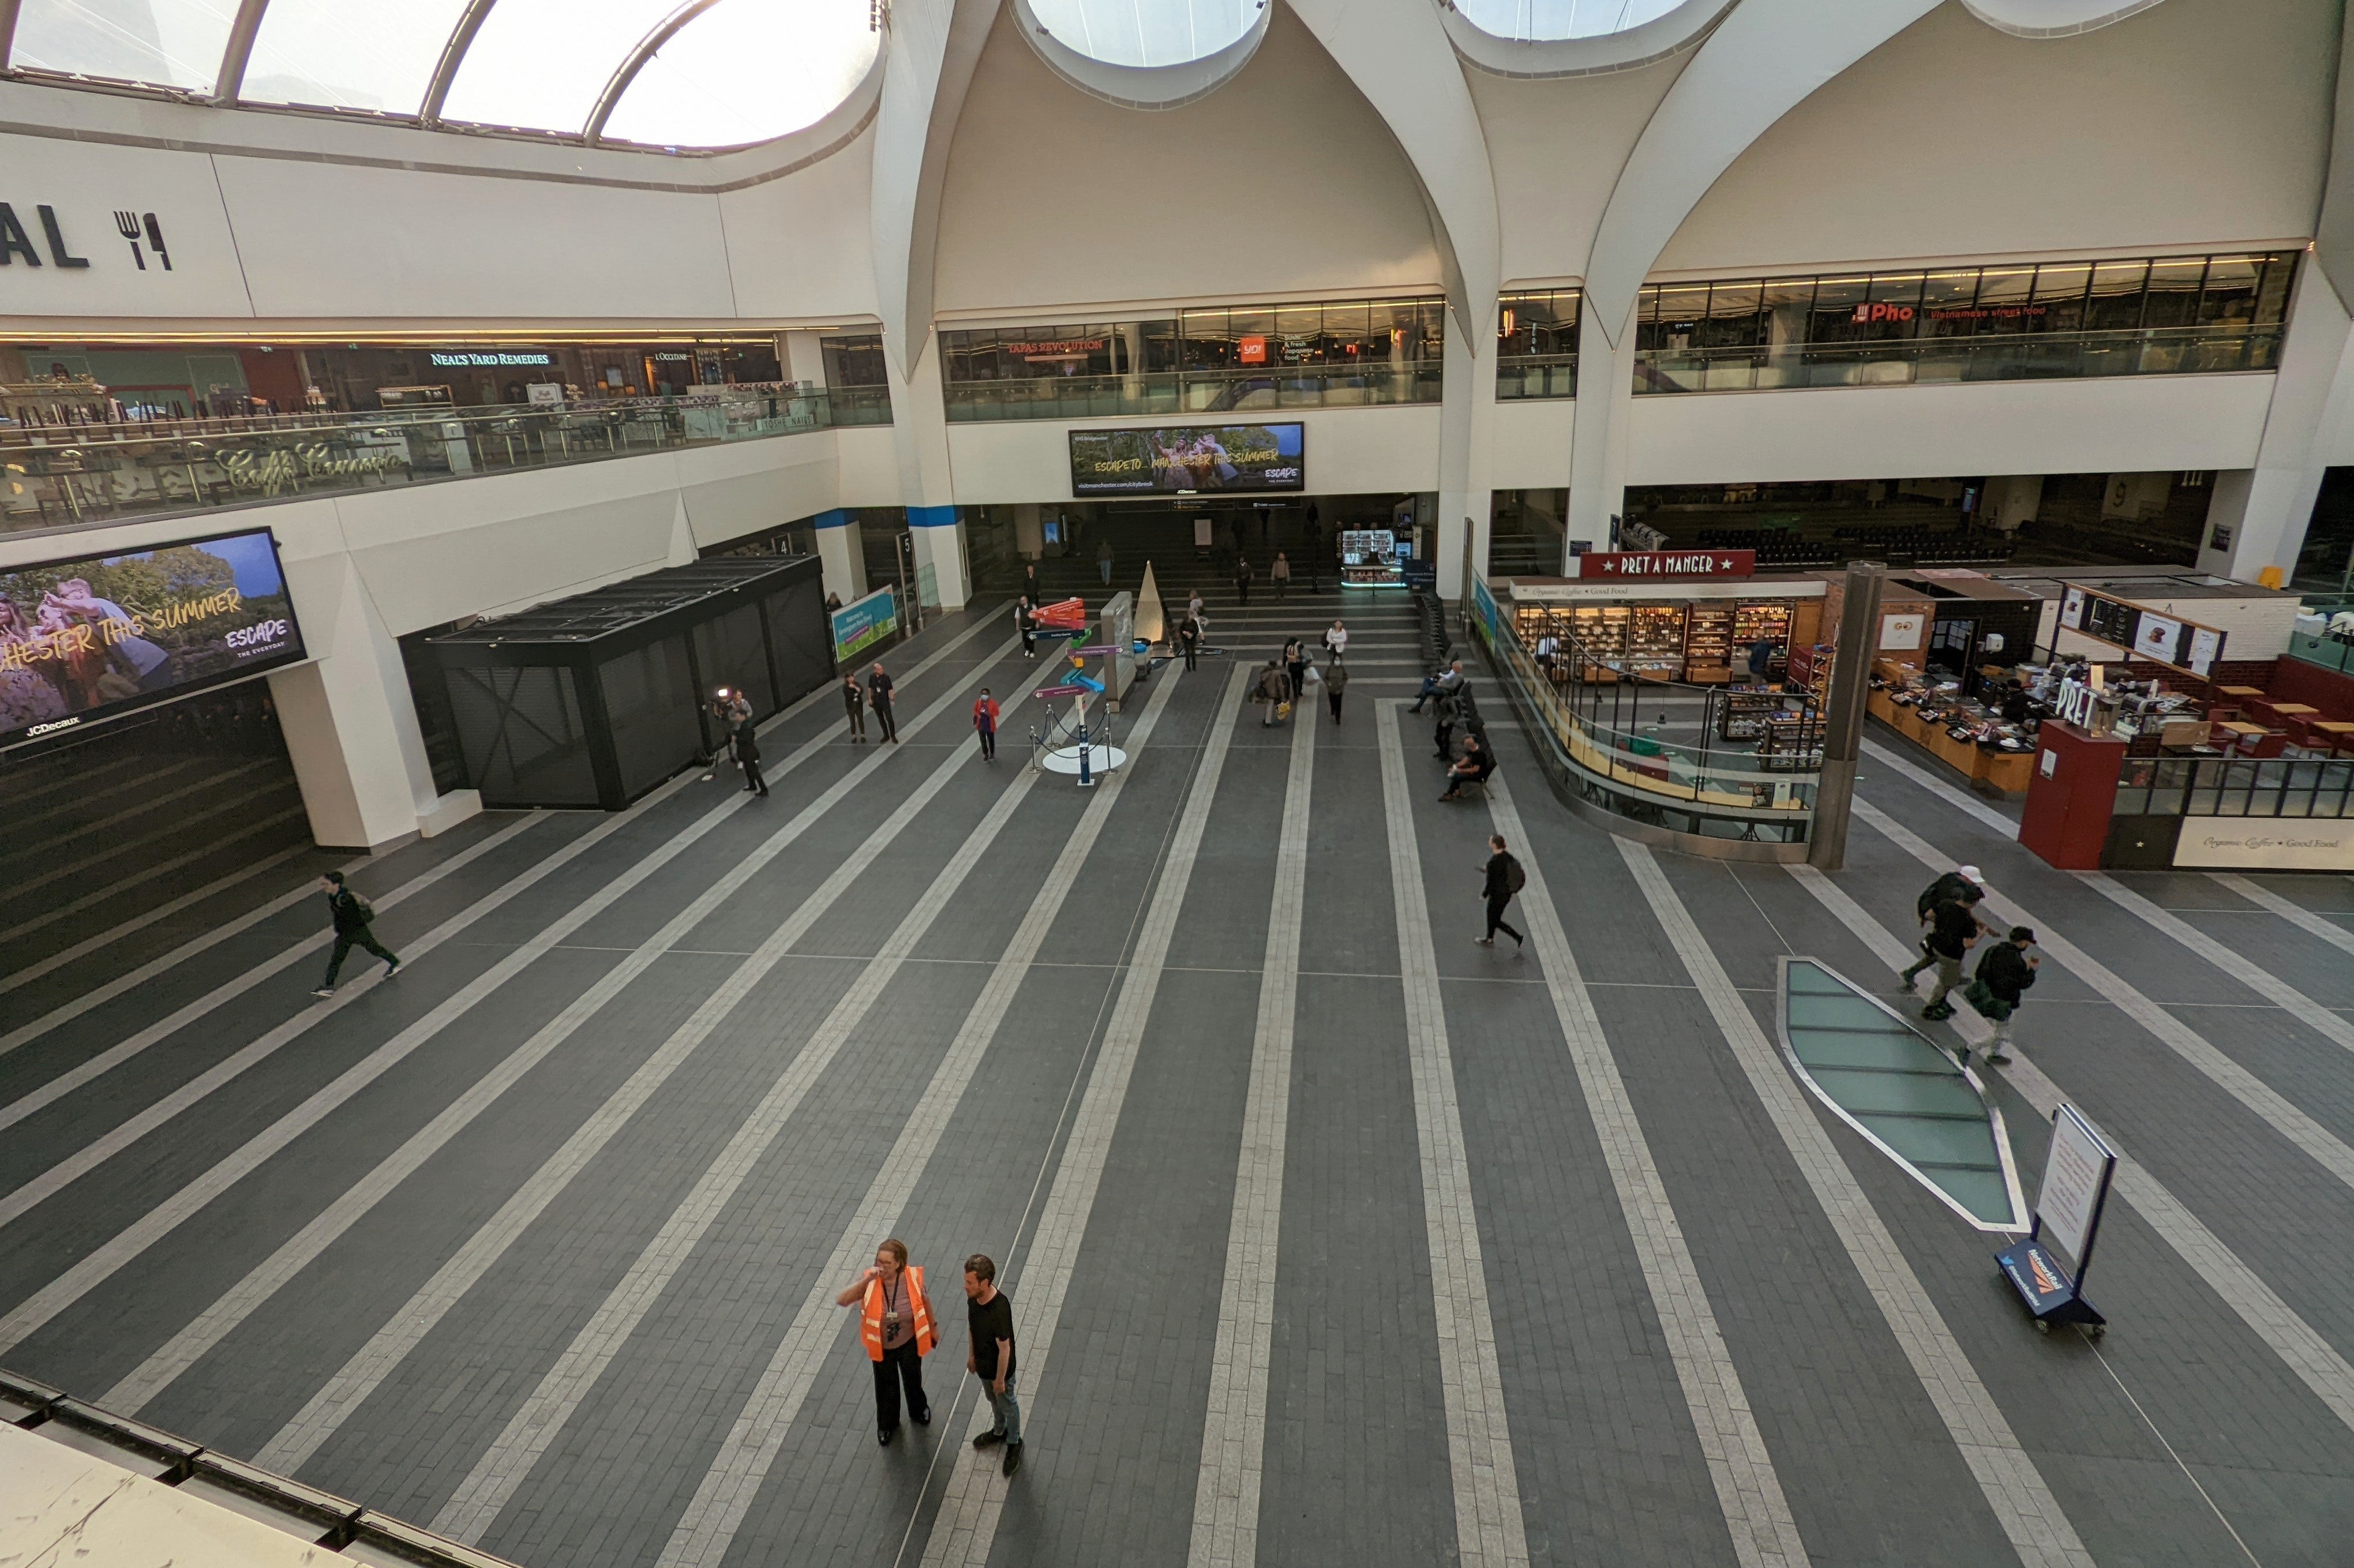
x=895, y=1323
x=984, y=723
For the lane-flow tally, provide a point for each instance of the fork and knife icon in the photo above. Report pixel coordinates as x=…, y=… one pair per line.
x=127, y=223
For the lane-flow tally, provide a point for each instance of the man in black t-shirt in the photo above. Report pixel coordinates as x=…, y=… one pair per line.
x=989, y=1312
x=1953, y=928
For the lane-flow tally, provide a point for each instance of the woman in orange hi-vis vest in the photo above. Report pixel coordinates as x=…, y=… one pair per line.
x=895, y=1323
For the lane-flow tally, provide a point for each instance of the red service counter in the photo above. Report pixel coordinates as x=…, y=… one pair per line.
x=2070, y=794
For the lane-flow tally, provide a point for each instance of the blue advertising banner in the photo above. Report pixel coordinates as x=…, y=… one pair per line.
x=863, y=623
x=1484, y=603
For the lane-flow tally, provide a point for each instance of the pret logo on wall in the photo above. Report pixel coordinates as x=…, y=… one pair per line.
x=142, y=231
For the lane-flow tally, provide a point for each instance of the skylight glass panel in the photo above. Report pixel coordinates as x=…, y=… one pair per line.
x=747, y=70
x=1146, y=32
x=538, y=65
x=1534, y=20
x=349, y=54
x=163, y=42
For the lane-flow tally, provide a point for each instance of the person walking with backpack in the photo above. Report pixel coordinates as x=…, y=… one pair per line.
x=1503, y=879
x=894, y=1324
x=351, y=914
x=1954, y=930
x=2005, y=970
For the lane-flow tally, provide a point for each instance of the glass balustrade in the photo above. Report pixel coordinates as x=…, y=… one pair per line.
x=62, y=476
x=2023, y=356
x=1194, y=392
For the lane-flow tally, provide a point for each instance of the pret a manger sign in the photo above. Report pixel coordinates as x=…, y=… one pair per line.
x=1668, y=564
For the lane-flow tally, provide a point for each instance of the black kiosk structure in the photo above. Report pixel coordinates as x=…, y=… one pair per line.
x=594, y=700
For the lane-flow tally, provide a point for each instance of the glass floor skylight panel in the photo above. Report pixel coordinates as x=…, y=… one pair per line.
x=1891, y=1083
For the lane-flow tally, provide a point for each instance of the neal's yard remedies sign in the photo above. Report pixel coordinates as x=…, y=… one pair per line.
x=94, y=637
x=861, y=624
x=2267, y=844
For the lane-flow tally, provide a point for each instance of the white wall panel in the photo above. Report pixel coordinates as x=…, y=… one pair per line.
x=1533, y=436
x=2138, y=424
x=324, y=241
x=85, y=184
x=1284, y=180
x=2196, y=122
x=1355, y=450
x=799, y=246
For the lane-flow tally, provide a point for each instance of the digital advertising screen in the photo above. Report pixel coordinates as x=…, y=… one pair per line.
x=97, y=636
x=1183, y=458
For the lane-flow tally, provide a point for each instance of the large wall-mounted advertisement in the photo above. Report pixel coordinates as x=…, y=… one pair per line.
x=97, y=636
x=1184, y=458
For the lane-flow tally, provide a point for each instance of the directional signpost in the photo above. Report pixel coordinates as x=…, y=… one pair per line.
x=2068, y=1209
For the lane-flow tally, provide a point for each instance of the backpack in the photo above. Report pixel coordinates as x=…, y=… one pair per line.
x=366, y=910
x=1515, y=878
x=1946, y=886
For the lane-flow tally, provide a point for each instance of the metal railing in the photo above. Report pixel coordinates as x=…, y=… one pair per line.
x=1536, y=376
x=63, y=476
x=1195, y=392
x=1697, y=791
x=2022, y=357
x=2236, y=787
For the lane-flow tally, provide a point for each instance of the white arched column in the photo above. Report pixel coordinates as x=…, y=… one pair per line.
x=1761, y=61
x=1398, y=54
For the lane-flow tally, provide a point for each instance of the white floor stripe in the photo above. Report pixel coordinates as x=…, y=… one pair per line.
x=2234, y=967
x=165, y=911
x=2312, y=1358
x=1959, y=799
x=2310, y=921
x=2326, y=1148
x=1233, y=1430
x=702, y=1536
x=326, y=1410
x=161, y=1369
x=186, y=1202
x=2023, y=1505
x=1488, y=1530
x=309, y=946
x=1748, y=1491
x=542, y=1417
x=966, y=1524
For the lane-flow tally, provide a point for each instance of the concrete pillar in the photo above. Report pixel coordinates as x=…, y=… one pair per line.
x=2011, y=500
x=2257, y=516
x=938, y=535
x=1029, y=531
x=841, y=554
x=1465, y=446
x=1599, y=442
x=350, y=723
x=804, y=360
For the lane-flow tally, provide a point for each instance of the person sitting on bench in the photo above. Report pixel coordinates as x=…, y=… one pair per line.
x=1472, y=767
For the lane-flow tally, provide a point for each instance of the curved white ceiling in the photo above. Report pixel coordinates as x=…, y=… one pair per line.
x=670, y=74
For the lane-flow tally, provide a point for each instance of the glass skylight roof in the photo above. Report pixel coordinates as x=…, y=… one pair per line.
x=722, y=73
x=747, y=71
x=1532, y=21
x=163, y=42
x=1146, y=32
x=375, y=54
